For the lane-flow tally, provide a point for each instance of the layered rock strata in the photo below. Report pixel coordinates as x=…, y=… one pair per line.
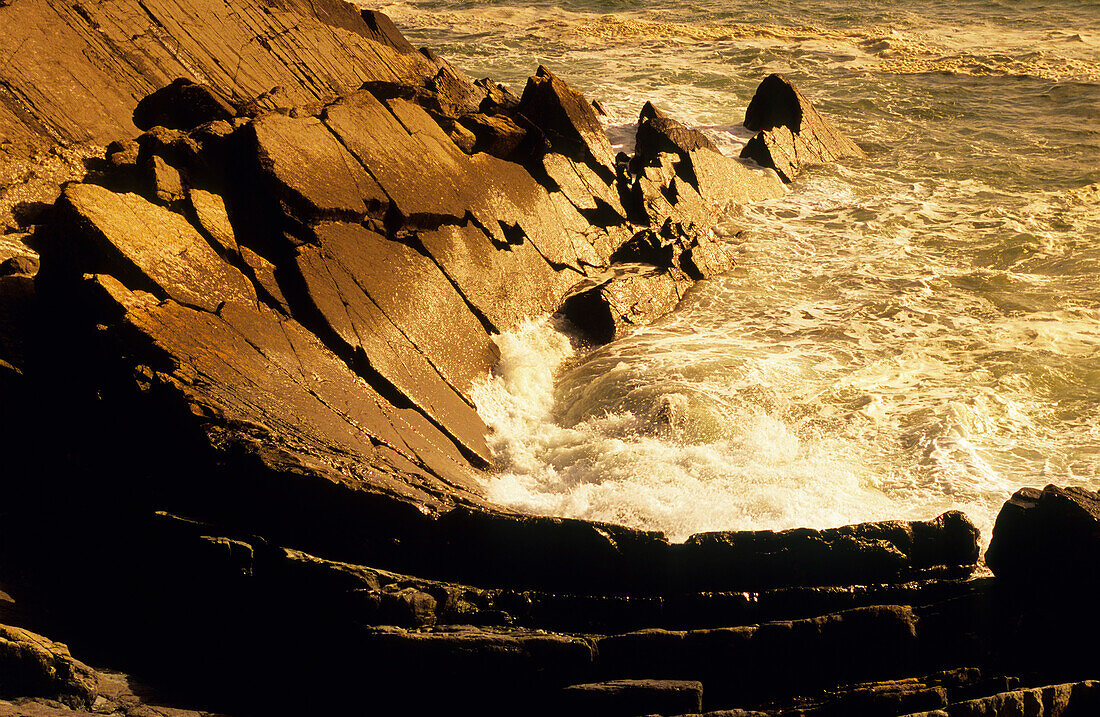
x=242, y=459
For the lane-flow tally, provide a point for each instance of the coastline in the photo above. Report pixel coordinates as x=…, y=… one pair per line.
x=261, y=327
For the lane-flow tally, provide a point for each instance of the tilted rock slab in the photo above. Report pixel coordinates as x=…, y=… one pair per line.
x=77, y=72
x=236, y=362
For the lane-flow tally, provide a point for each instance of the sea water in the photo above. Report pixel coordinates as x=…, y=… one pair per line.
x=902, y=335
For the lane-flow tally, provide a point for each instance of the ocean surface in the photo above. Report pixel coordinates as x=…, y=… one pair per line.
x=902, y=335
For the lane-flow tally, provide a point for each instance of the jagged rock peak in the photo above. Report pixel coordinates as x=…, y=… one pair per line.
x=791, y=133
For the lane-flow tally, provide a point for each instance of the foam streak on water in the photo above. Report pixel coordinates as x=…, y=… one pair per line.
x=902, y=335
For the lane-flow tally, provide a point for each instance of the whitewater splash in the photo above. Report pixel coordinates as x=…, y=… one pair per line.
x=658, y=458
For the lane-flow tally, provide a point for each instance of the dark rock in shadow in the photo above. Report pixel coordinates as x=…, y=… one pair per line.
x=183, y=105
x=1041, y=538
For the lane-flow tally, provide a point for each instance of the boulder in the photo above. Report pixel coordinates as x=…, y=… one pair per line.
x=455, y=93
x=182, y=104
x=35, y=666
x=657, y=132
x=212, y=220
x=164, y=182
x=497, y=135
x=632, y=698
x=497, y=97
x=791, y=132
x=609, y=306
x=1046, y=537
x=722, y=180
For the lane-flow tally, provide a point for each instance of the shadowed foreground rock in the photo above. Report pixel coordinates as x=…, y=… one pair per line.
x=625, y=698
x=1046, y=537
x=35, y=666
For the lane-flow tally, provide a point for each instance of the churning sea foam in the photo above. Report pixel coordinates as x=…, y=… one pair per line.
x=665, y=456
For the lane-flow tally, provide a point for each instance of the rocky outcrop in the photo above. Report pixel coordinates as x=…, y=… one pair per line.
x=77, y=71
x=791, y=133
x=182, y=104
x=567, y=121
x=243, y=375
x=35, y=666
x=308, y=296
x=1041, y=537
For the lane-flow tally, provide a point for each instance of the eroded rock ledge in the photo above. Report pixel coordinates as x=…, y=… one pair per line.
x=241, y=459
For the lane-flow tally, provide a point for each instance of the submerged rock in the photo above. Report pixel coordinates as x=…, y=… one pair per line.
x=791, y=133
